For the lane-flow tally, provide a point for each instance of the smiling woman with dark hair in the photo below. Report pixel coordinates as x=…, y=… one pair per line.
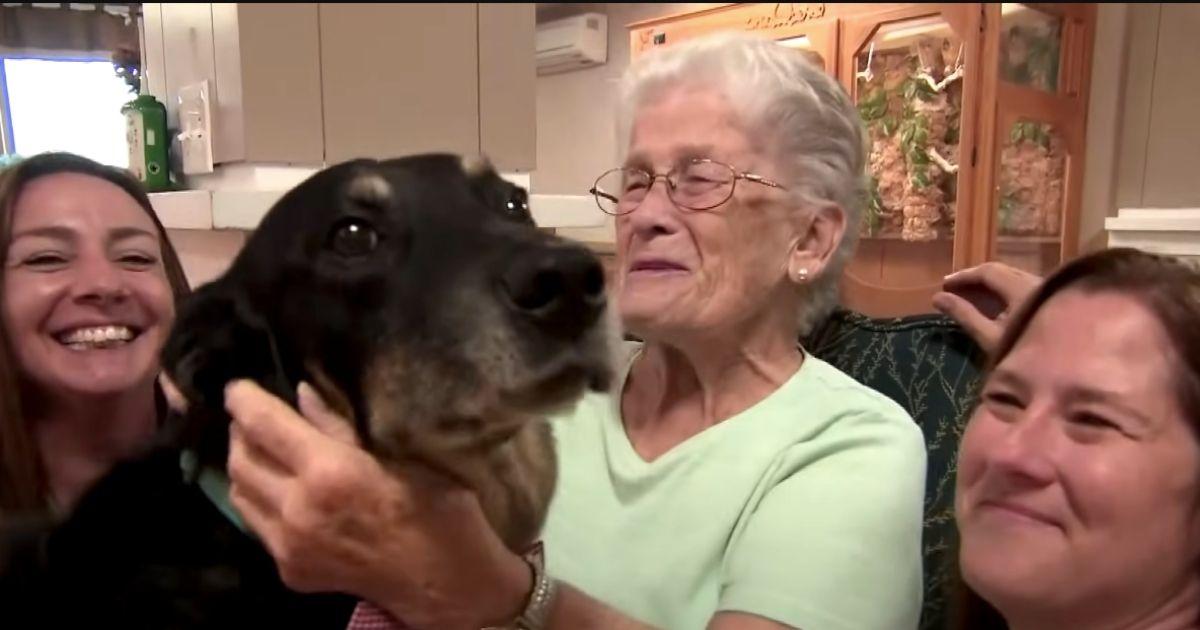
x=88, y=294
x=1078, y=499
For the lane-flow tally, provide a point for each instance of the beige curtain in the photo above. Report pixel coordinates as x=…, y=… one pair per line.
x=66, y=29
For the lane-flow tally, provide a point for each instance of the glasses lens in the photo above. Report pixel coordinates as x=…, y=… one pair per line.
x=620, y=190
x=702, y=184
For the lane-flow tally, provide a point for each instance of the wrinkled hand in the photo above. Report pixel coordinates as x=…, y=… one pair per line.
x=982, y=298
x=415, y=544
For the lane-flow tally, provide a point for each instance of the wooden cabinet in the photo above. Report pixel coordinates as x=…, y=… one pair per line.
x=900, y=65
x=262, y=62
x=806, y=27
x=321, y=83
x=399, y=79
x=976, y=115
x=268, y=83
x=508, y=85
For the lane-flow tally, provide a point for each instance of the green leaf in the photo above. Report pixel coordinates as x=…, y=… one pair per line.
x=873, y=105
x=920, y=179
x=889, y=125
x=874, y=214
x=925, y=91
x=1043, y=135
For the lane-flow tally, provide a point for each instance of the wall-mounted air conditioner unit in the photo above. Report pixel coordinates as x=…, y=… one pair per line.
x=571, y=43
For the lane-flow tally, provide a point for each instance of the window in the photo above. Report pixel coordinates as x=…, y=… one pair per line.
x=65, y=105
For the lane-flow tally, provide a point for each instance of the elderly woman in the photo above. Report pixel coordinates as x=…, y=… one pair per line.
x=731, y=480
x=1079, y=473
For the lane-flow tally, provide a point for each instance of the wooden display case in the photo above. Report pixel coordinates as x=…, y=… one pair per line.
x=976, y=115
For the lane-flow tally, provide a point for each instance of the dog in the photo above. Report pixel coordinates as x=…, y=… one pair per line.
x=418, y=297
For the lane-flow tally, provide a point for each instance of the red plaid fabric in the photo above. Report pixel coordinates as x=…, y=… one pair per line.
x=368, y=616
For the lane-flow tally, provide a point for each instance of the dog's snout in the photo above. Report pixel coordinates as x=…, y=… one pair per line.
x=560, y=289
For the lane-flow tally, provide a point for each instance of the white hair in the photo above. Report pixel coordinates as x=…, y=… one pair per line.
x=802, y=114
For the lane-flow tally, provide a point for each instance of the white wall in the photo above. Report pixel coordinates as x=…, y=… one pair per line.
x=576, y=129
x=1105, y=107
x=1160, y=143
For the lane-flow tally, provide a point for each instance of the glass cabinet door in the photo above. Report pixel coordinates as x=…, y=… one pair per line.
x=1030, y=46
x=1034, y=173
x=1030, y=202
x=911, y=71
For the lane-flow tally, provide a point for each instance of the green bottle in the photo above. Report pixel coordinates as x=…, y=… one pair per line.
x=146, y=133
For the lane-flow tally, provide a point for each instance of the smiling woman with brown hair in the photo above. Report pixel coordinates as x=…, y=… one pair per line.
x=87, y=295
x=1078, y=500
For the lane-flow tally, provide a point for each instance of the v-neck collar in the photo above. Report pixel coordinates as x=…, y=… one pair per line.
x=621, y=448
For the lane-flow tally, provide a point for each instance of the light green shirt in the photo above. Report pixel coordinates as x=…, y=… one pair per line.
x=806, y=509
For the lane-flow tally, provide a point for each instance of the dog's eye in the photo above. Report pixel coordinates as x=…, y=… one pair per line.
x=354, y=238
x=517, y=207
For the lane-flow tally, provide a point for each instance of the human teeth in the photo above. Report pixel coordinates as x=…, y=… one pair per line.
x=98, y=334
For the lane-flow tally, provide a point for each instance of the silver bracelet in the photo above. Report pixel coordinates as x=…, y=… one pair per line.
x=536, y=614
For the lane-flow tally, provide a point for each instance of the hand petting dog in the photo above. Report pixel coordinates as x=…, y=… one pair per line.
x=335, y=519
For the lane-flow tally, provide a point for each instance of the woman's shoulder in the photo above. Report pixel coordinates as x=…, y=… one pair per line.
x=839, y=405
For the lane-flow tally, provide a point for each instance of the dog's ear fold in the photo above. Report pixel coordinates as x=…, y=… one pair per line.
x=218, y=337
x=506, y=198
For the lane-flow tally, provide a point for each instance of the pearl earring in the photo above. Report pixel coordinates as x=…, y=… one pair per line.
x=801, y=275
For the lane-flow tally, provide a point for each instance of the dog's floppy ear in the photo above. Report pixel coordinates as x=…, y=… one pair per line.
x=219, y=337
x=507, y=198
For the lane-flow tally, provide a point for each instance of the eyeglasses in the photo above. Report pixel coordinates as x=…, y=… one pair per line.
x=698, y=184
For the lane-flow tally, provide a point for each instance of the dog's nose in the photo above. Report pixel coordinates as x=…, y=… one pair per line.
x=561, y=289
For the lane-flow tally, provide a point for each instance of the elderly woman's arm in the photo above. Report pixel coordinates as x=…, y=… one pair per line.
x=418, y=546
x=335, y=520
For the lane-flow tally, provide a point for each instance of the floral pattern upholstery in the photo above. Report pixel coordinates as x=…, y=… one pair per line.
x=928, y=365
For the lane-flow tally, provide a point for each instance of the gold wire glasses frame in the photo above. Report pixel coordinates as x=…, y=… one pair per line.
x=698, y=185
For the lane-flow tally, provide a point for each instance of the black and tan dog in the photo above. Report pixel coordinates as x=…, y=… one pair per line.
x=419, y=298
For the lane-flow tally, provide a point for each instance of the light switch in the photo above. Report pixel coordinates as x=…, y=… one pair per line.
x=195, y=127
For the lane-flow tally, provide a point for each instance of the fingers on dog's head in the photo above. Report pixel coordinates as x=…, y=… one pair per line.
x=476, y=166
x=510, y=200
x=370, y=189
